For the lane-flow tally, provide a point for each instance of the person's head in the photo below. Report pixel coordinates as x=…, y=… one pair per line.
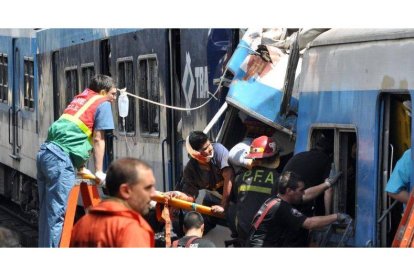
x=8, y=238
x=263, y=147
x=103, y=85
x=193, y=220
x=291, y=187
x=200, y=147
x=325, y=144
x=133, y=181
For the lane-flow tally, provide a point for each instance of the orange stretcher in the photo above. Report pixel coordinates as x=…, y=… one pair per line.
x=186, y=205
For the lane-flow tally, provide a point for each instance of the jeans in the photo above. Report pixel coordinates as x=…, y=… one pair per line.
x=55, y=179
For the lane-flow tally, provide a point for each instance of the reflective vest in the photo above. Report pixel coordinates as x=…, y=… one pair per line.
x=73, y=130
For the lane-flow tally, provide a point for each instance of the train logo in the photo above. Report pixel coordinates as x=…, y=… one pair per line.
x=199, y=80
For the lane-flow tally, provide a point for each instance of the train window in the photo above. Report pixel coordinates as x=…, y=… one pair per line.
x=344, y=156
x=72, y=83
x=3, y=78
x=28, y=83
x=149, y=114
x=126, y=80
x=88, y=71
x=341, y=144
x=105, y=56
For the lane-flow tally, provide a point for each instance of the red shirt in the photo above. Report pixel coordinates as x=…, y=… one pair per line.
x=112, y=224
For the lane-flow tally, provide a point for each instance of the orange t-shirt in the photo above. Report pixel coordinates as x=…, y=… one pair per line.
x=112, y=224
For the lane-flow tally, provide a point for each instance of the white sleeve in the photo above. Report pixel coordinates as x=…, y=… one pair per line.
x=238, y=153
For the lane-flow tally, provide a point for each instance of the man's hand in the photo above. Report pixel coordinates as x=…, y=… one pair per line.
x=333, y=180
x=176, y=194
x=217, y=209
x=343, y=218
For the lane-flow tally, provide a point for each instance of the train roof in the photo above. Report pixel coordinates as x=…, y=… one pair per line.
x=343, y=36
x=18, y=32
x=52, y=39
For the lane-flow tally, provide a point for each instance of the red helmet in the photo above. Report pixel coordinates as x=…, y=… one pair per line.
x=263, y=147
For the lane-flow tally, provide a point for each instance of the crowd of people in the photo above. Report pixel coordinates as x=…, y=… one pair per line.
x=239, y=184
x=266, y=197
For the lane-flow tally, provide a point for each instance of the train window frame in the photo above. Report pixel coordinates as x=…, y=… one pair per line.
x=28, y=83
x=146, y=108
x=71, y=91
x=130, y=121
x=4, y=75
x=86, y=76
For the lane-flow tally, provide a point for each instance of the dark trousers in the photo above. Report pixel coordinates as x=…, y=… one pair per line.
x=209, y=221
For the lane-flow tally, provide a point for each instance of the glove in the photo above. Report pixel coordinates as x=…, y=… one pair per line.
x=332, y=180
x=343, y=218
x=101, y=176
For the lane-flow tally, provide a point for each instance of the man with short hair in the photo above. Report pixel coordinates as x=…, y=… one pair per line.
x=276, y=221
x=193, y=228
x=70, y=140
x=118, y=221
x=208, y=169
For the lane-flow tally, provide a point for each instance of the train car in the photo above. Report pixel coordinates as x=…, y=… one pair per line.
x=42, y=70
x=353, y=84
x=165, y=66
x=18, y=116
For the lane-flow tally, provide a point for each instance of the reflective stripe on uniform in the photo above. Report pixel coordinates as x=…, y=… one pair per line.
x=252, y=188
x=80, y=124
x=86, y=105
x=75, y=118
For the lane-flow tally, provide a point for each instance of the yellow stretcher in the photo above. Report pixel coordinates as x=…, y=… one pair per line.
x=182, y=204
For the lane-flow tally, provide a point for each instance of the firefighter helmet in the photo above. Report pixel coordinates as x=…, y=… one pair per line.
x=263, y=147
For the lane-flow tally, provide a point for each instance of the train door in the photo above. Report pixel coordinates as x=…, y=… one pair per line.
x=14, y=110
x=395, y=138
x=173, y=118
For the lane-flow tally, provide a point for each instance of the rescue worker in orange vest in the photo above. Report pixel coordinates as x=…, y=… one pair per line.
x=118, y=221
x=69, y=142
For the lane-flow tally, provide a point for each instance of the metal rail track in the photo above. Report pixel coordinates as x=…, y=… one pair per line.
x=24, y=228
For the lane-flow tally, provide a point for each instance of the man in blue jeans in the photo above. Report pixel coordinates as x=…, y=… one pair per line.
x=70, y=140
